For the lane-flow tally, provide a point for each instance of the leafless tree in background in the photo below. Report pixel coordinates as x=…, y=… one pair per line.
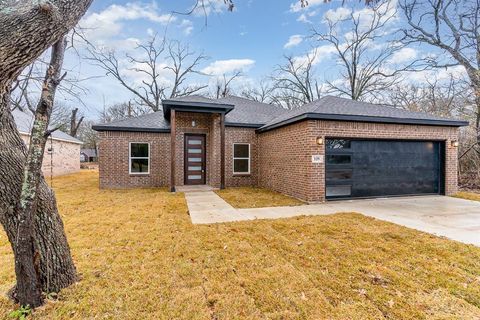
x=362, y=63
x=223, y=86
x=163, y=67
x=263, y=92
x=295, y=82
x=453, y=27
x=444, y=98
x=120, y=111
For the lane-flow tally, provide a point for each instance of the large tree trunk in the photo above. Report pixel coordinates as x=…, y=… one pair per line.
x=28, y=28
x=56, y=267
x=27, y=255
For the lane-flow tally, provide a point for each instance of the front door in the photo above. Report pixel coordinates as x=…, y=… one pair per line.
x=195, y=163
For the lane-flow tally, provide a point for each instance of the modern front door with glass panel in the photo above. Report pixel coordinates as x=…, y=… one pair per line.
x=195, y=164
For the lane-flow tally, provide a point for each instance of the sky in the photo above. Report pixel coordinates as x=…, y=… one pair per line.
x=253, y=39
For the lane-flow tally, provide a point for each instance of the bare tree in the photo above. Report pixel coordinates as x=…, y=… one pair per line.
x=263, y=92
x=75, y=122
x=294, y=81
x=27, y=87
x=362, y=62
x=120, y=111
x=453, y=27
x=445, y=98
x=87, y=135
x=163, y=66
x=223, y=87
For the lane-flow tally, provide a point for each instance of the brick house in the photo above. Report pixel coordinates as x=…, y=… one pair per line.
x=328, y=149
x=62, y=152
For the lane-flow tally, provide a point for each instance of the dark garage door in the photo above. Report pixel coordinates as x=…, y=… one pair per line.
x=375, y=168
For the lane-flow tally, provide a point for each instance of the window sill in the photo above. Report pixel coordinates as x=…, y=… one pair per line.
x=242, y=174
x=139, y=174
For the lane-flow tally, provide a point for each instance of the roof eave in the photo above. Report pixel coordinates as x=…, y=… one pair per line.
x=101, y=128
x=359, y=118
x=243, y=125
x=202, y=107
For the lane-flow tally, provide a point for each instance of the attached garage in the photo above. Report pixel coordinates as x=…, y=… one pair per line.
x=357, y=168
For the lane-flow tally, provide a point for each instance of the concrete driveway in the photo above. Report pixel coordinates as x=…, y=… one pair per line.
x=453, y=218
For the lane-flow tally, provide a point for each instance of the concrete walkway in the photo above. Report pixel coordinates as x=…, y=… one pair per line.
x=453, y=218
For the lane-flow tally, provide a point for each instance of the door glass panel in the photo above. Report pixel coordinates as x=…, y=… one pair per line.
x=339, y=174
x=195, y=159
x=195, y=168
x=339, y=159
x=194, y=177
x=194, y=150
x=194, y=142
x=338, y=144
x=339, y=191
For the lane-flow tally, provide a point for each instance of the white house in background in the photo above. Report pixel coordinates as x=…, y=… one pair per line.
x=61, y=152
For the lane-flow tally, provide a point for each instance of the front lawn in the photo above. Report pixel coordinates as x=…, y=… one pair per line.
x=248, y=197
x=139, y=257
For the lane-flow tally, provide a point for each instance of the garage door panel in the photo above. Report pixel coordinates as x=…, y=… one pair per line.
x=370, y=168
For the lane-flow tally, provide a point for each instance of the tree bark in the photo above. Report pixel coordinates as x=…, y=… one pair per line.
x=74, y=124
x=27, y=28
x=27, y=255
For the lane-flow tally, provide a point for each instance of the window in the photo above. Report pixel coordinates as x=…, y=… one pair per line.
x=241, y=158
x=338, y=144
x=339, y=174
x=139, y=158
x=339, y=191
x=339, y=159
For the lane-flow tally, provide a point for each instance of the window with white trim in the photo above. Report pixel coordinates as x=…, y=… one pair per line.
x=139, y=158
x=241, y=158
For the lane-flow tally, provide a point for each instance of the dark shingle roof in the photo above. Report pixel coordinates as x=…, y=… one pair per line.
x=151, y=122
x=336, y=108
x=249, y=112
x=245, y=113
x=24, y=122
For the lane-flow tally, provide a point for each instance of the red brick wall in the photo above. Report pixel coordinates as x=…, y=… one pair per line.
x=285, y=157
x=240, y=135
x=284, y=162
x=280, y=159
x=114, y=163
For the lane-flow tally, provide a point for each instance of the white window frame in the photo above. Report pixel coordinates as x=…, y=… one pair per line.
x=130, y=158
x=241, y=158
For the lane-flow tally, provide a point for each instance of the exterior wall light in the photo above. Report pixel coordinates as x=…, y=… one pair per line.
x=193, y=123
x=454, y=144
x=319, y=141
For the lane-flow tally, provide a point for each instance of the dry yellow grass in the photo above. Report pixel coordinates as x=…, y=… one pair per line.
x=468, y=195
x=140, y=258
x=248, y=197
